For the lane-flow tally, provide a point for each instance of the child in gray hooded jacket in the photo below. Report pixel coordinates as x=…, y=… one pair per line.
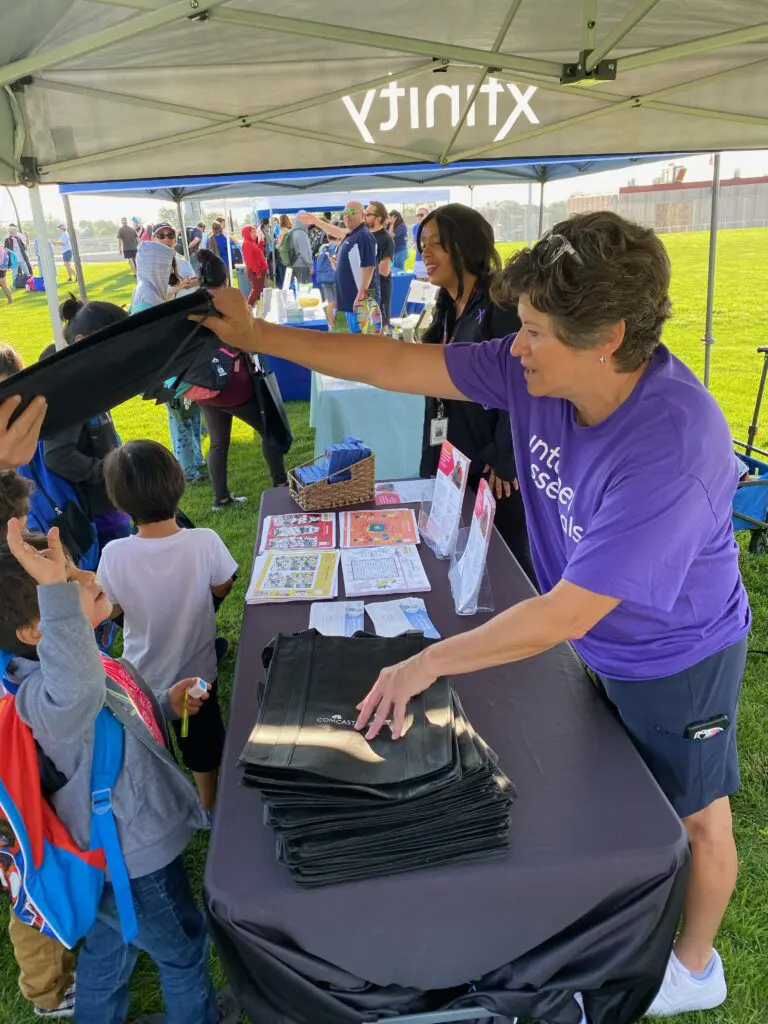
x=48, y=609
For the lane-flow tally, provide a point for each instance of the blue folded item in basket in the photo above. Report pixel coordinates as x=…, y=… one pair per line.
x=335, y=463
x=343, y=455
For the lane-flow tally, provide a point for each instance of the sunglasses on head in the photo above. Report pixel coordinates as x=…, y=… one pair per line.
x=551, y=248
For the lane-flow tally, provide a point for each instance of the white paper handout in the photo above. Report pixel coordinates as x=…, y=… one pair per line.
x=391, y=618
x=388, y=570
x=294, y=576
x=337, y=618
x=441, y=527
x=471, y=566
x=404, y=492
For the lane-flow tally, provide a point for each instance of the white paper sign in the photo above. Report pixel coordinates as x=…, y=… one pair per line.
x=450, y=484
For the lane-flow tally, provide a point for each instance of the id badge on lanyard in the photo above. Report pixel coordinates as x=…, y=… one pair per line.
x=438, y=426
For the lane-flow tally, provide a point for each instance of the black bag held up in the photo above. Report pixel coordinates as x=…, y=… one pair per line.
x=277, y=427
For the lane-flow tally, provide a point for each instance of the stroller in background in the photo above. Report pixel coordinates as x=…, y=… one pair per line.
x=750, y=503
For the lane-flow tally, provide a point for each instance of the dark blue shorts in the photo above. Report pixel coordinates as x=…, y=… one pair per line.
x=656, y=712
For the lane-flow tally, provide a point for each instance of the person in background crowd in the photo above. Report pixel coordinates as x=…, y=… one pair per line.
x=419, y=269
x=281, y=225
x=66, y=252
x=399, y=231
x=18, y=242
x=376, y=222
x=459, y=253
x=218, y=243
x=7, y=263
x=195, y=242
x=325, y=276
x=157, y=282
x=78, y=452
x=256, y=266
x=317, y=235
x=128, y=241
x=357, y=276
x=146, y=233
x=296, y=251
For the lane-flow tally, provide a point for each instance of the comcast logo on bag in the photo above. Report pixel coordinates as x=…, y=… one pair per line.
x=497, y=101
x=340, y=722
x=336, y=720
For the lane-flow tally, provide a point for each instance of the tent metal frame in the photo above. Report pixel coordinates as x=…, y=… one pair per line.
x=541, y=74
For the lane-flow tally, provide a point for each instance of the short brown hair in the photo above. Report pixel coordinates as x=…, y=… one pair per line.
x=10, y=361
x=608, y=270
x=15, y=490
x=144, y=480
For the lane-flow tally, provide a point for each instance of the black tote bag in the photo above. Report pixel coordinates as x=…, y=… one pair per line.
x=277, y=428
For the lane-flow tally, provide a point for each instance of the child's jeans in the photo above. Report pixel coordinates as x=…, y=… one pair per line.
x=171, y=930
x=46, y=968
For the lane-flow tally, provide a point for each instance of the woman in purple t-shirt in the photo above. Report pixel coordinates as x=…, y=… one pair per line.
x=627, y=474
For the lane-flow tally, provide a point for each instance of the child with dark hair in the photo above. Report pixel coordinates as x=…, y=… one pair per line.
x=77, y=453
x=15, y=491
x=164, y=579
x=10, y=361
x=48, y=609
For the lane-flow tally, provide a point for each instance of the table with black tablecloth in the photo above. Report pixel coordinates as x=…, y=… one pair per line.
x=587, y=899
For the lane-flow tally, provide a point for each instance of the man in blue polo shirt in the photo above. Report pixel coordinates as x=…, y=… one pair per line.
x=355, y=264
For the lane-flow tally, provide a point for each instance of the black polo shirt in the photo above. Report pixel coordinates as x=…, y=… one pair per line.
x=484, y=435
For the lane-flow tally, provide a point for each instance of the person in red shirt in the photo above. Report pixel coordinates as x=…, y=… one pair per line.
x=256, y=265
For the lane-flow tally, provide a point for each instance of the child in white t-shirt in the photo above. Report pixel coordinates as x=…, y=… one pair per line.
x=164, y=579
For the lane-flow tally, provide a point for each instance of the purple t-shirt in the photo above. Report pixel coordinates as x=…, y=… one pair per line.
x=637, y=507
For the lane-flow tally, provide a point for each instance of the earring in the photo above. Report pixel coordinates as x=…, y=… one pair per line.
x=602, y=360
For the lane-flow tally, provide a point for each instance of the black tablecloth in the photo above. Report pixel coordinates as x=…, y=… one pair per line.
x=587, y=899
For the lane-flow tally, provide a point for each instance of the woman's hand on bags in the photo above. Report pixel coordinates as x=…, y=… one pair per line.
x=235, y=325
x=388, y=701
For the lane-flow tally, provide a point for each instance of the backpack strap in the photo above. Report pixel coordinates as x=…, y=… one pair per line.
x=107, y=761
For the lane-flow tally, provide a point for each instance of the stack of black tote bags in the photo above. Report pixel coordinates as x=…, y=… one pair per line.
x=343, y=808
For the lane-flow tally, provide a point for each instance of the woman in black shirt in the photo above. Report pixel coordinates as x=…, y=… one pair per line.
x=459, y=253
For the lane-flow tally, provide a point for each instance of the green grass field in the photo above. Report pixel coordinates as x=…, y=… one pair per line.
x=741, y=324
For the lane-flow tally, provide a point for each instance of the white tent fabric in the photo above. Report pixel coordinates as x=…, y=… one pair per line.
x=113, y=89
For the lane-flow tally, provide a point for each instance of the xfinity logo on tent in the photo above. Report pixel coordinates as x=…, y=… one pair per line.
x=423, y=111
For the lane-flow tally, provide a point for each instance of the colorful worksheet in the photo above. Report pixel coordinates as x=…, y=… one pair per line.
x=471, y=566
x=404, y=492
x=379, y=527
x=442, y=525
x=294, y=576
x=299, y=531
x=389, y=570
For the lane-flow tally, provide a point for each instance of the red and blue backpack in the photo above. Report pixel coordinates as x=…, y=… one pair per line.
x=54, y=886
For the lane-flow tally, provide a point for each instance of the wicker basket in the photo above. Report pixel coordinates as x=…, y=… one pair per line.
x=326, y=494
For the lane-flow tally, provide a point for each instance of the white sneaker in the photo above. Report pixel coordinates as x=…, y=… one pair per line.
x=680, y=993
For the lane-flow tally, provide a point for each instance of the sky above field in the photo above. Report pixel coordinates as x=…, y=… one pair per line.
x=699, y=168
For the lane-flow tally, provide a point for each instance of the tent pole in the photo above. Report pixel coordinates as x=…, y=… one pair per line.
x=708, y=339
x=541, y=208
x=228, y=235
x=528, y=214
x=472, y=196
x=47, y=263
x=182, y=229
x=75, y=248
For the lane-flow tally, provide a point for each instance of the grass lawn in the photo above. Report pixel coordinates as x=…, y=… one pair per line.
x=741, y=324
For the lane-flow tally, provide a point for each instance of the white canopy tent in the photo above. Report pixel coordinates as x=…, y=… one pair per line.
x=110, y=89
